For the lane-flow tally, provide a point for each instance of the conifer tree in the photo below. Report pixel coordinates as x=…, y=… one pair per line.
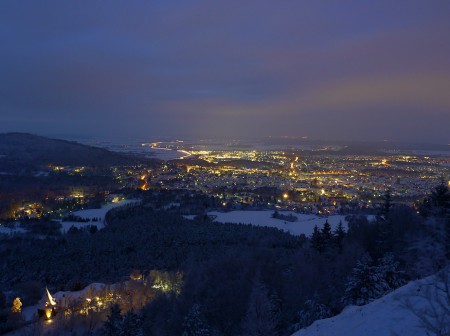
x=368, y=282
x=316, y=239
x=389, y=270
x=114, y=324
x=327, y=236
x=2, y=300
x=440, y=197
x=339, y=236
x=387, y=198
x=262, y=315
x=313, y=310
x=132, y=325
x=364, y=283
x=195, y=323
x=438, y=205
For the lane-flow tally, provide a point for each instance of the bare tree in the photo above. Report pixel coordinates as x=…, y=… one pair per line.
x=433, y=308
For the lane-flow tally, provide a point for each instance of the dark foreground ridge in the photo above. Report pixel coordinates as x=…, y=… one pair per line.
x=23, y=150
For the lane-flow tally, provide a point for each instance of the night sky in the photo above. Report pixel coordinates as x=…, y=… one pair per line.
x=368, y=70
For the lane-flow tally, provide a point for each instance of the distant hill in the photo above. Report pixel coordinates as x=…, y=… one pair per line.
x=28, y=151
x=387, y=148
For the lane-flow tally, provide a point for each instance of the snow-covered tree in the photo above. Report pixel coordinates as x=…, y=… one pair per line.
x=434, y=315
x=262, y=314
x=365, y=283
x=368, y=281
x=388, y=268
x=313, y=310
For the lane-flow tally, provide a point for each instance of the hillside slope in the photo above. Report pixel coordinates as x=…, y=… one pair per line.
x=22, y=150
x=386, y=316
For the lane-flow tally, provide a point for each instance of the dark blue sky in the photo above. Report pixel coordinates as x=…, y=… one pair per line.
x=368, y=70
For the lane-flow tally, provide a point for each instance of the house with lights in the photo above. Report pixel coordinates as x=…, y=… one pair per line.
x=47, y=307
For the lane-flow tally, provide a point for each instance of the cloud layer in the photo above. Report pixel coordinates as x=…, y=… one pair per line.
x=347, y=70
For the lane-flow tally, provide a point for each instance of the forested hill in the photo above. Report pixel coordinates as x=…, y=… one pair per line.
x=22, y=150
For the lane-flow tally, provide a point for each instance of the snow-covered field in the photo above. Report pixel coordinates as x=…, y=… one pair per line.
x=165, y=153
x=99, y=214
x=387, y=316
x=305, y=223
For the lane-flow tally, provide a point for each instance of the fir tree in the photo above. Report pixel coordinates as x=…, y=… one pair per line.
x=114, y=324
x=438, y=203
x=388, y=267
x=327, y=236
x=195, y=323
x=387, y=198
x=132, y=325
x=317, y=240
x=262, y=314
x=368, y=282
x=385, y=236
x=2, y=300
x=364, y=284
x=440, y=197
x=339, y=236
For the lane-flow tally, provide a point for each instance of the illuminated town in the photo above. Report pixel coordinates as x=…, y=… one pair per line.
x=225, y=168
x=296, y=191
x=238, y=179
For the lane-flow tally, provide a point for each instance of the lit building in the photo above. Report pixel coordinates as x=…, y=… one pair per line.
x=47, y=306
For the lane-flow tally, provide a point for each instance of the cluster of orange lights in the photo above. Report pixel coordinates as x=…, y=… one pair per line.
x=143, y=178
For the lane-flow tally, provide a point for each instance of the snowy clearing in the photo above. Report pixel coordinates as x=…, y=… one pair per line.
x=386, y=316
x=304, y=225
x=90, y=214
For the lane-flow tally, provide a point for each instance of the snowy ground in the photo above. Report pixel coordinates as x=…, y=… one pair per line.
x=7, y=230
x=387, y=316
x=94, y=213
x=305, y=223
x=165, y=153
x=29, y=313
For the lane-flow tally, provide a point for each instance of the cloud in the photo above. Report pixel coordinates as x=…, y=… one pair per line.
x=223, y=67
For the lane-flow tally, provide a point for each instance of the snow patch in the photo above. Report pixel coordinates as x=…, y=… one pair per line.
x=304, y=225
